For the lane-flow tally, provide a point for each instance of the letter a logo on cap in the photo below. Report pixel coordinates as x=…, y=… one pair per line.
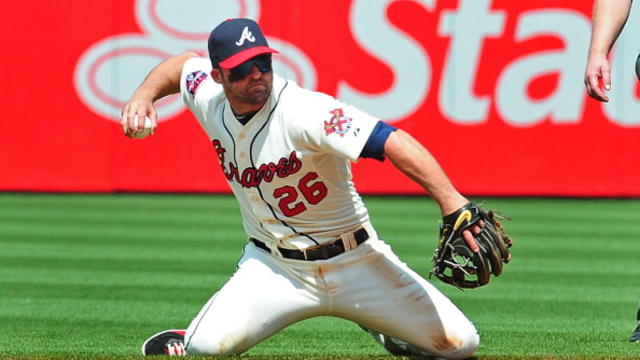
x=246, y=35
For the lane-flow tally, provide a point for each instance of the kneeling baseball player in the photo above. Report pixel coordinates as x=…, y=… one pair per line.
x=311, y=249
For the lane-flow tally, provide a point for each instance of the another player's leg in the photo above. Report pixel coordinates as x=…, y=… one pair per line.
x=168, y=342
x=635, y=337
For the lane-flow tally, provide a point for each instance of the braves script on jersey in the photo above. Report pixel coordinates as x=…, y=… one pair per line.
x=289, y=166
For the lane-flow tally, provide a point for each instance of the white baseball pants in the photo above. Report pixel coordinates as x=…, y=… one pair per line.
x=368, y=285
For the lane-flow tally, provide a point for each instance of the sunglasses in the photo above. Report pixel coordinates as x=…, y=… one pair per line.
x=263, y=62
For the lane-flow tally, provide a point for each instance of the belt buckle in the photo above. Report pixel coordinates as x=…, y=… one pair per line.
x=323, y=248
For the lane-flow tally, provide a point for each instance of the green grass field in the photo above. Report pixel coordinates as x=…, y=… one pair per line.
x=91, y=276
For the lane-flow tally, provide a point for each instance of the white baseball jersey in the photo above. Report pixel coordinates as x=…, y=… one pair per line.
x=289, y=166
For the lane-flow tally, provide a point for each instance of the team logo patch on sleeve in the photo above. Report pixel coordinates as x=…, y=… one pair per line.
x=194, y=80
x=338, y=124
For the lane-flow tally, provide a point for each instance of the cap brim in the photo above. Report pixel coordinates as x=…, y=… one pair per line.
x=243, y=56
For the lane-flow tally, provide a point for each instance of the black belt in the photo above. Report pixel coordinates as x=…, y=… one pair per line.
x=318, y=252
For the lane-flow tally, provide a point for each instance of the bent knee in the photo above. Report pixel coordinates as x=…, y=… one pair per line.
x=458, y=347
x=202, y=345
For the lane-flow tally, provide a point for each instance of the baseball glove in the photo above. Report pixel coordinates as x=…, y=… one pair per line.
x=455, y=263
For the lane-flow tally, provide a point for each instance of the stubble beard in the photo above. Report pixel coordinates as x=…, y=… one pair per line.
x=250, y=95
x=255, y=97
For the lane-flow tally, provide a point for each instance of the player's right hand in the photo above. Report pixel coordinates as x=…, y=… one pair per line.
x=141, y=108
x=597, y=76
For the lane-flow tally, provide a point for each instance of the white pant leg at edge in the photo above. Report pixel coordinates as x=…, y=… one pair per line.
x=261, y=298
x=377, y=290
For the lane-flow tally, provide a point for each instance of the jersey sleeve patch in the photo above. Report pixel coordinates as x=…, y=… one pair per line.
x=338, y=124
x=194, y=79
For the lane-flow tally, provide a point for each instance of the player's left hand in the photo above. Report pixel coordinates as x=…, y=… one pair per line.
x=470, y=233
x=472, y=246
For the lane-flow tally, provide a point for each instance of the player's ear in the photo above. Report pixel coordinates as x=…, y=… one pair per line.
x=216, y=74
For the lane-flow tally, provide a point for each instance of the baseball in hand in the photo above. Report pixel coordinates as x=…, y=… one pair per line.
x=148, y=128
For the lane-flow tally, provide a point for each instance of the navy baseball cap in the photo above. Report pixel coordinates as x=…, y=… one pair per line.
x=235, y=41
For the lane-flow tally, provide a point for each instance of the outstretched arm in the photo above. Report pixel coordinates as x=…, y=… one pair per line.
x=609, y=17
x=415, y=161
x=163, y=80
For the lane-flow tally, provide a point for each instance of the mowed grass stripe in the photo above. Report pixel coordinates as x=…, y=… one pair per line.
x=94, y=275
x=143, y=246
x=146, y=202
x=172, y=290
x=185, y=276
x=104, y=216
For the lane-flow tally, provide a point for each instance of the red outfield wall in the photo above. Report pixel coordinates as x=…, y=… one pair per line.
x=493, y=88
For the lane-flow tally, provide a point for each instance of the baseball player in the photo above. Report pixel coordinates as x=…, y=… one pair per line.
x=311, y=249
x=609, y=18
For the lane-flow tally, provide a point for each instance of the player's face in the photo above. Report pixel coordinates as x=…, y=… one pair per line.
x=249, y=83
